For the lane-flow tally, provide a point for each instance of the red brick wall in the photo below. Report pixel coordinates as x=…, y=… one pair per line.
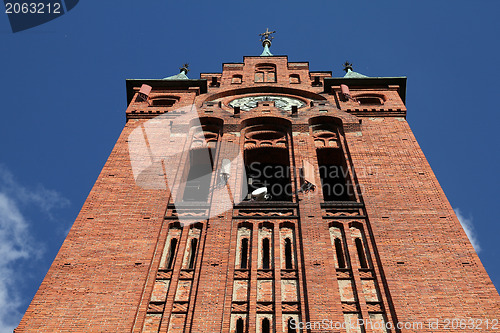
x=107, y=275
x=96, y=281
x=439, y=275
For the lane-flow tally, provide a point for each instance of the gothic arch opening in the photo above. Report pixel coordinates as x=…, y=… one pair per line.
x=171, y=253
x=171, y=245
x=291, y=326
x=240, y=325
x=266, y=255
x=287, y=245
x=333, y=170
x=192, y=255
x=340, y=253
x=266, y=325
x=244, y=253
x=204, y=138
x=361, y=253
x=243, y=250
x=338, y=243
x=288, y=254
x=359, y=239
x=266, y=245
x=192, y=245
x=266, y=156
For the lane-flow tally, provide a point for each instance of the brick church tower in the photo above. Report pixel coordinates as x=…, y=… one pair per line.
x=266, y=198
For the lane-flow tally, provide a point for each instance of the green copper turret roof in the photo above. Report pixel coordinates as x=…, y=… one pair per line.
x=181, y=76
x=266, y=52
x=352, y=74
x=349, y=73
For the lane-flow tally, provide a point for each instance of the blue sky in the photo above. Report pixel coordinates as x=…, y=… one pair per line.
x=63, y=99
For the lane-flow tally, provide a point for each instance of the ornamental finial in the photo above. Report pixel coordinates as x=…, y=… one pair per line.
x=347, y=66
x=265, y=36
x=266, y=42
x=184, y=68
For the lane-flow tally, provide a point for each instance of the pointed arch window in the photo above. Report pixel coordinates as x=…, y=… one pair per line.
x=171, y=253
x=361, y=253
x=287, y=246
x=266, y=256
x=171, y=245
x=192, y=243
x=333, y=168
x=244, y=253
x=360, y=246
x=192, y=254
x=266, y=325
x=201, y=159
x=291, y=325
x=288, y=254
x=240, y=326
x=338, y=245
x=340, y=253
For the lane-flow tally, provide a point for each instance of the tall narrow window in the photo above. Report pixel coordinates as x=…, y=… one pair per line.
x=266, y=326
x=244, y=253
x=239, y=325
x=333, y=169
x=361, y=253
x=192, y=257
x=338, y=246
x=171, y=253
x=340, y=253
x=199, y=176
x=334, y=174
x=265, y=253
x=291, y=325
x=201, y=158
x=288, y=254
x=267, y=159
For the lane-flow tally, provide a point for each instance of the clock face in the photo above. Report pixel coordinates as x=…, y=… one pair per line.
x=282, y=102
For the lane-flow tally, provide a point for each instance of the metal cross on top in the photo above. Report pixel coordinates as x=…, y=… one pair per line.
x=184, y=68
x=265, y=35
x=347, y=66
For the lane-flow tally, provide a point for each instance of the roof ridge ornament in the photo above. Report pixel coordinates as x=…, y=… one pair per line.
x=347, y=66
x=184, y=68
x=266, y=42
x=350, y=73
x=182, y=74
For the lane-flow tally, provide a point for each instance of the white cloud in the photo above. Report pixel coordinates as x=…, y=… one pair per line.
x=45, y=200
x=469, y=229
x=14, y=246
x=17, y=245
